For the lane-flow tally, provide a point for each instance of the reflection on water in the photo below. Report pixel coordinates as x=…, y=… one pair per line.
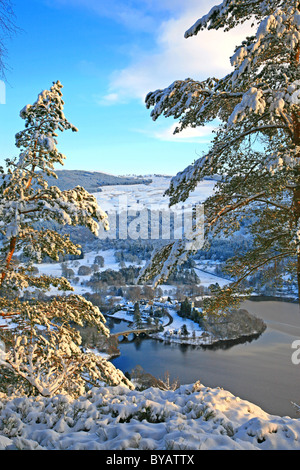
x=259, y=370
x=231, y=343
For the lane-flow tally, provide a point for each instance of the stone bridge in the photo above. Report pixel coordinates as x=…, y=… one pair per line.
x=135, y=333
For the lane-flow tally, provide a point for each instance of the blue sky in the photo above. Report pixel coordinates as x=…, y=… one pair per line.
x=109, y=54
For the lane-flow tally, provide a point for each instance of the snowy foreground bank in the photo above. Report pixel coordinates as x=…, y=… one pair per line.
x=114, y=418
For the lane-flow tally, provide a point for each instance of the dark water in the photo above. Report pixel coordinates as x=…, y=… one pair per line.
x=260, y=371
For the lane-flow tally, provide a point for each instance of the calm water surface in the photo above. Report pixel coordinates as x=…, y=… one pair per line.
x=260, y=371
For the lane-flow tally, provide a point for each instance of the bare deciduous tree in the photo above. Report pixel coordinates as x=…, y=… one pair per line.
x=7, y=28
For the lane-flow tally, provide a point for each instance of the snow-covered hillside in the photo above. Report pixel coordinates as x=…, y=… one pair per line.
x=114, y=418
x=149, y=195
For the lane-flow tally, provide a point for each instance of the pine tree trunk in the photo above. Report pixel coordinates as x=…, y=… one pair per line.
x=296, y=140
x=13, y=241
x=296, y=198
x=298, y=276
x=12, y=247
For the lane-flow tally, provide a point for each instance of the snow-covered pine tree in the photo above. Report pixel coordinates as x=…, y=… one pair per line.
x=255, y=150
x=43, y=346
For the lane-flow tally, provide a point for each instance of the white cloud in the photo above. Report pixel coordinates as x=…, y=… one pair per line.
x=109, y=99
x=200, y=135
x=170, y=56
x=175, y=57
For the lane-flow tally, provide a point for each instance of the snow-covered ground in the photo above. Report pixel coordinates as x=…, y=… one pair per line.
x=55, y=269
x=207, y=278
x=172, y=331
x=130, y=200
x=113, y=418
x=148, y=195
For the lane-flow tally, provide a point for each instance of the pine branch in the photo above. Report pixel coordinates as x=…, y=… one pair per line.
x=260, y=264
x=229, y=208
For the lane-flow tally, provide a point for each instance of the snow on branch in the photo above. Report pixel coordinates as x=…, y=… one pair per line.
x=230, y=13
x=181, y=97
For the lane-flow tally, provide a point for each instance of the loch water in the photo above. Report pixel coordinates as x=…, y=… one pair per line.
x=259, y=370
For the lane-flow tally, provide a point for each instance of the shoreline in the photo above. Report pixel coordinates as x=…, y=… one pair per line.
x=213, y=345
x=270, y=298
x=205, y=340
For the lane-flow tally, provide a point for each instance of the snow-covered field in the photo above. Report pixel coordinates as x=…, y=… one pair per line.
x=148, y=195
x=55, y=269
x=207, y=278
x=113, y=418
x=146, y=199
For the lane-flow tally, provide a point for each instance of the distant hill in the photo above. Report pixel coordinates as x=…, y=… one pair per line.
x=91, y=180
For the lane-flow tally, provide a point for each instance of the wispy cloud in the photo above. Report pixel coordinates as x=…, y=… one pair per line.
x=108, y=100
x=142, y=15
x=200, y=135
x=168, y=56
x=174, y=57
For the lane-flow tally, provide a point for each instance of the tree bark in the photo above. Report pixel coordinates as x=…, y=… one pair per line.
x=13, y=241
x=296, y=195
x=296, y=140
x=12, y=247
